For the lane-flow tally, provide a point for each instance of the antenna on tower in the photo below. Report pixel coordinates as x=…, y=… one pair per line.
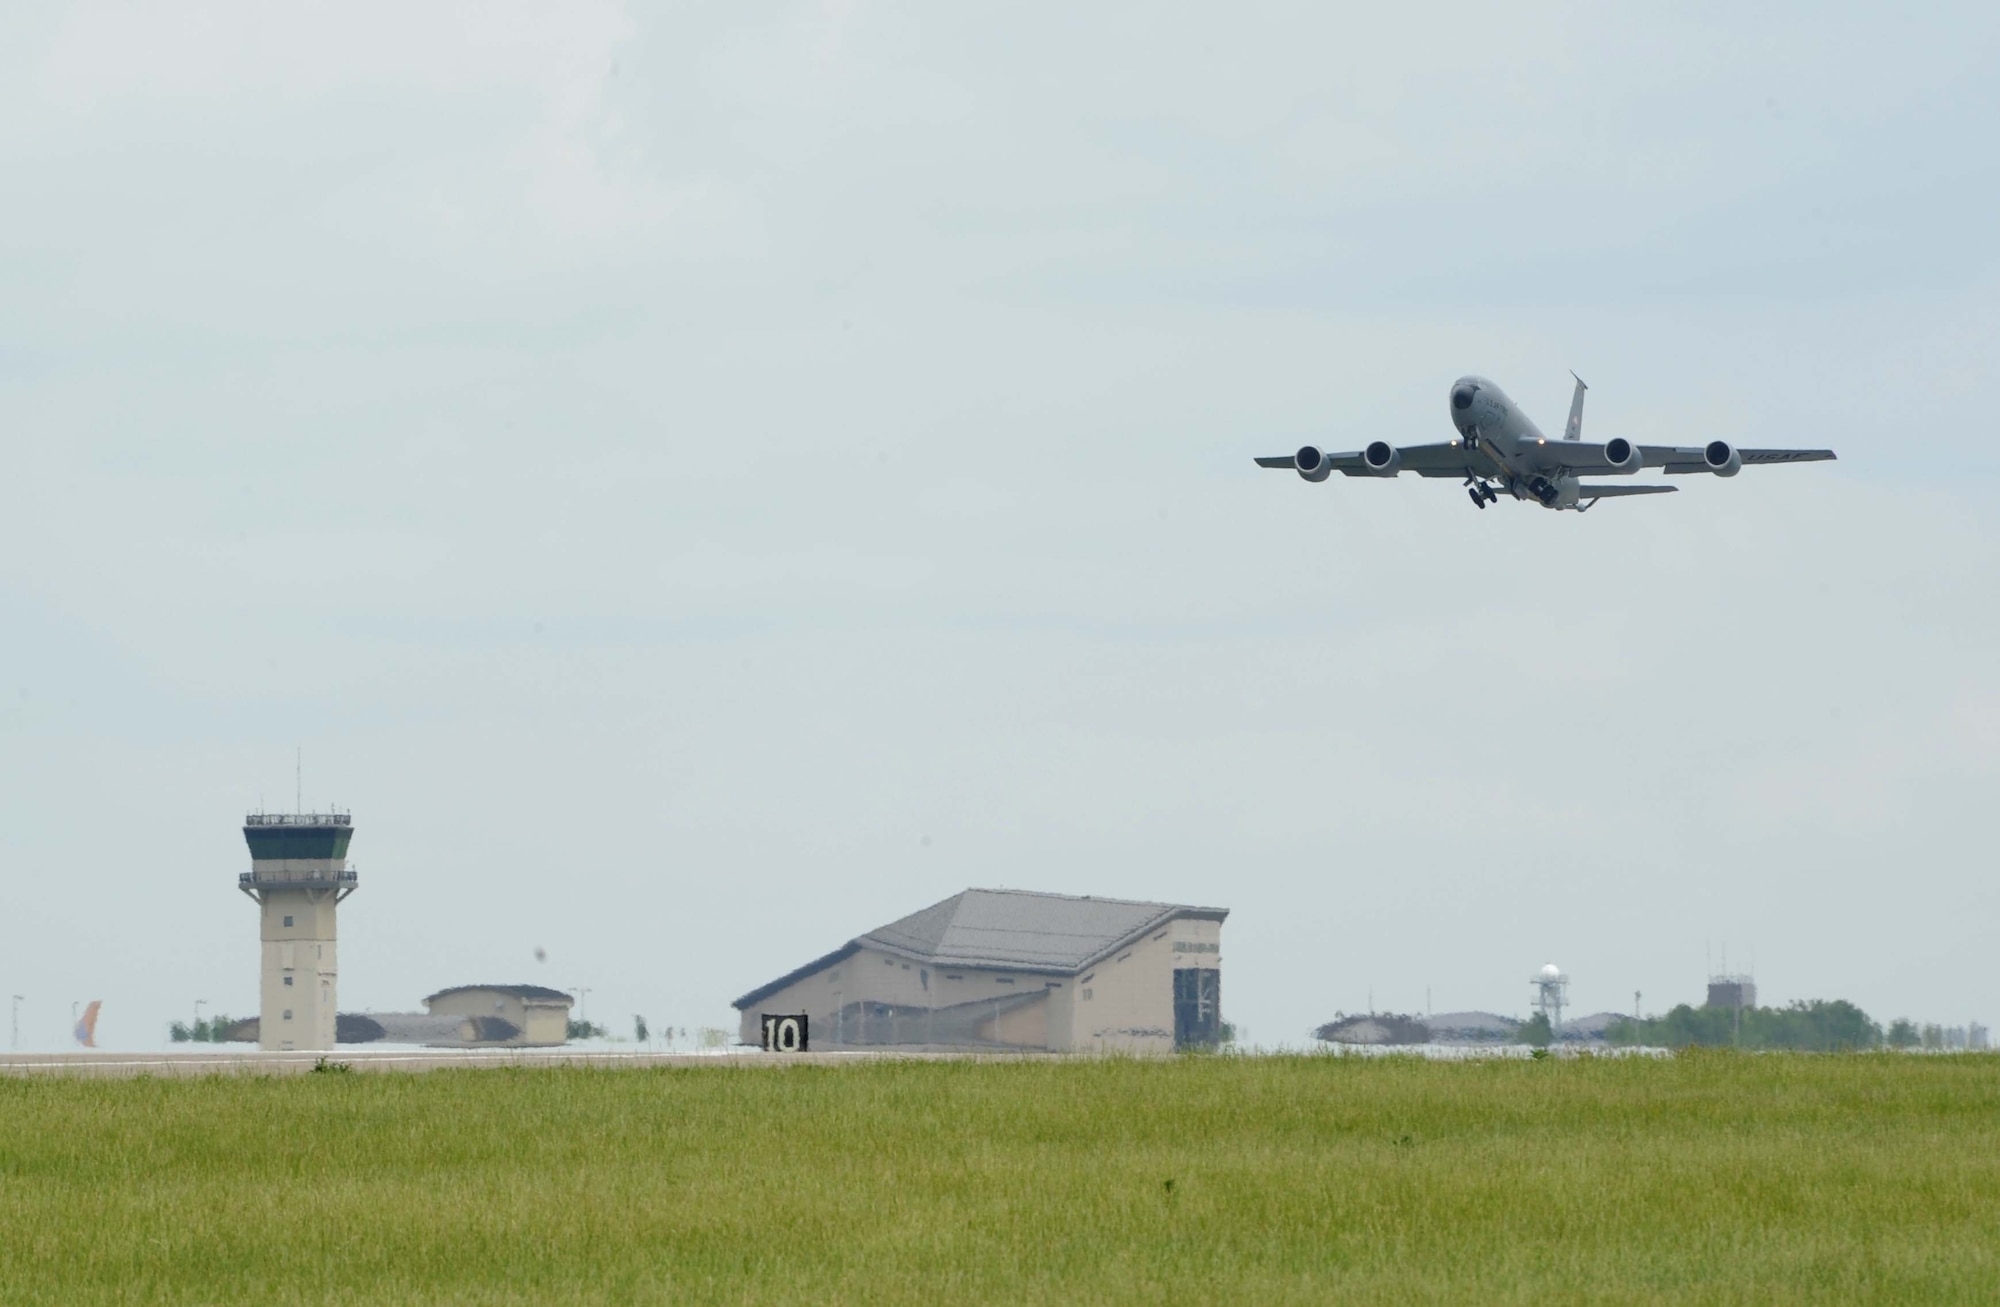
x=299, y=780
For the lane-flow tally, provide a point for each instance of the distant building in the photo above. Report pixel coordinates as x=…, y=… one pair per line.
x=1591, y=1028
x=1732, y=991
x=1375, y=1028
x=445, y=1030
x=1472, y=1028
x=442, y=1031
x=1454, y=1028
x=1011, y=969
x=536, y=1014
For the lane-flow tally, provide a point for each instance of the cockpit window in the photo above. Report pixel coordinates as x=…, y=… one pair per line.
x=1461, y=399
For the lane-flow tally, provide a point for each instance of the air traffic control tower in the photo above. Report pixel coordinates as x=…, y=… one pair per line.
x=298, y=875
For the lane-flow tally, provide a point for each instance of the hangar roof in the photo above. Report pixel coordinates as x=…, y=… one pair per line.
x=523, y=992
x=1024, y=930
x=1007, y=929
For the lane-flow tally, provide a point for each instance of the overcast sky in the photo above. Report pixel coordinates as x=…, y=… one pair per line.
x=700, y=485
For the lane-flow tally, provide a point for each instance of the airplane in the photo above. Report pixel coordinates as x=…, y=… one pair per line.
x=1500, y=450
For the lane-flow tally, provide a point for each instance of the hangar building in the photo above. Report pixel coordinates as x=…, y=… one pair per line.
x=1014, y=970
x=508, y=1014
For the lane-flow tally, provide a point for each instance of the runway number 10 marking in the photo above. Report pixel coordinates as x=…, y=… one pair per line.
x=784, y=1034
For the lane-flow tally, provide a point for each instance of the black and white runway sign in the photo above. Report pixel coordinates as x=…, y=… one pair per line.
x=784, y=1034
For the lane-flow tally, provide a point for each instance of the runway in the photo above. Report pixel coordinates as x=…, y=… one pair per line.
x=109, y=1065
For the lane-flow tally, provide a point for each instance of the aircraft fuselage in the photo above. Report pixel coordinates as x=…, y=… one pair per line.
x=1504, y=443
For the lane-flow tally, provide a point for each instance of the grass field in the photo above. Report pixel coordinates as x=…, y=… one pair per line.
x=1713, y=1178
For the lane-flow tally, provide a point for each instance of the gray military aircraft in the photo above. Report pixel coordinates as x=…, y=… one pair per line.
x=1499, y=449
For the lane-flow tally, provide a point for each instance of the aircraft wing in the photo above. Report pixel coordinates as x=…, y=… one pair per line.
x=1446, y=459
x=1584, y=457
x=1443, y=459
x=1580, y=456
x=1676, y=458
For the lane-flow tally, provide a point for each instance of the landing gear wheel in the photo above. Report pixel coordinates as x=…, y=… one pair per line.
x=1478, y=500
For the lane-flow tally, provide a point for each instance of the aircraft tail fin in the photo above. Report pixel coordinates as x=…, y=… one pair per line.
x=1574, y=431
x=86, y=1029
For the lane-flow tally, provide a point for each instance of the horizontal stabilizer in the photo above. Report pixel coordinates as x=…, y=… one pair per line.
x=1619, y=492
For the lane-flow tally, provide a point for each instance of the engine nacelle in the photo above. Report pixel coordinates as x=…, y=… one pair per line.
x=1312, y=464
x=1382, y=459
x=1721, y=459
x=1622, y=455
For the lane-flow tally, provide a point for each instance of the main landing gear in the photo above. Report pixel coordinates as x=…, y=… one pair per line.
x=1480, y=493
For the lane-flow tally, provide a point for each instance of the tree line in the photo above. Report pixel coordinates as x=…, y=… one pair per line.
x=212, y=1031
x=1807, y=1025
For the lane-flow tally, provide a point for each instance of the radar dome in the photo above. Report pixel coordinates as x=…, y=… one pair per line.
x=1551, y=971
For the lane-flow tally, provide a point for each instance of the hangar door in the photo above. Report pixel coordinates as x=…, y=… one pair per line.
x=1197, y=1006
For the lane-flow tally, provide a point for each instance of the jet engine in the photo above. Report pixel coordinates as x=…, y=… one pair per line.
x=1622, y=455
x=1721, y=459
x=1312, y=464
x=1383, y=459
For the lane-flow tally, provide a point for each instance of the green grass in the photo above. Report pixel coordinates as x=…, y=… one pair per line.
x=1713, y=1178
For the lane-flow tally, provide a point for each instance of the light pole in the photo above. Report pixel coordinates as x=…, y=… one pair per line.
x=199, y=1004
x=18, y=999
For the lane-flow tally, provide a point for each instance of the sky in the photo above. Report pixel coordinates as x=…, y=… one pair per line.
x=701, y=482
